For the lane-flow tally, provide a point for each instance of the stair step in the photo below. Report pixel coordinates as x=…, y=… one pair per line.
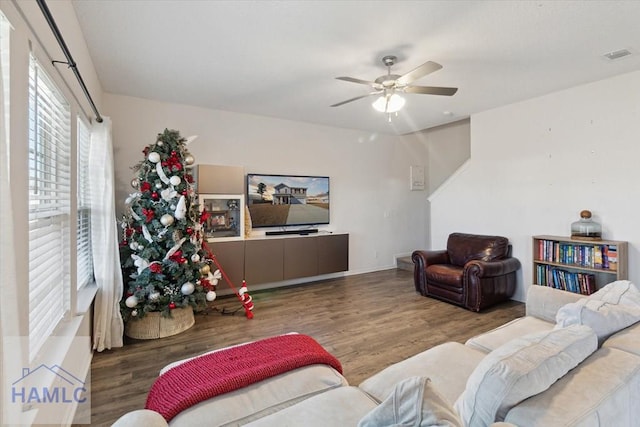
x=404, y=263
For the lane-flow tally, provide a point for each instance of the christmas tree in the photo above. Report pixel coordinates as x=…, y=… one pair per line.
x=165, y=262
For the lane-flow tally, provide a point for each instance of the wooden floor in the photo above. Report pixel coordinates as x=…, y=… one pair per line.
x=367, y=321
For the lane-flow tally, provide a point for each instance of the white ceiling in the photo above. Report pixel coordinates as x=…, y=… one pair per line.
x=280, y=58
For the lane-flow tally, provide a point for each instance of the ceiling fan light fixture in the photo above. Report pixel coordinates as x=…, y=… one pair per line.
x=389, y=103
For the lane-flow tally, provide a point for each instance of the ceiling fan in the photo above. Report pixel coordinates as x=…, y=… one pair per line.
x=389, y=85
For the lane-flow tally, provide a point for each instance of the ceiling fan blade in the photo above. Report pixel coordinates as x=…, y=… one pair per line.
x=426, y=68
x=431, y=90
x=360, y=81
x=355, y=99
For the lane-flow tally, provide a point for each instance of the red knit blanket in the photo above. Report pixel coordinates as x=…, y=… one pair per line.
x=223, y=371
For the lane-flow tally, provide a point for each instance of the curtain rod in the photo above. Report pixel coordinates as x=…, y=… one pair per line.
x=70, y=62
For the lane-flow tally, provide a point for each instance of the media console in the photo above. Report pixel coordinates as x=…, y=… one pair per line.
x=275, y=259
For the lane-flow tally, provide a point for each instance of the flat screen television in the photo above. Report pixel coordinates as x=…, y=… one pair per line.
x=287, y=200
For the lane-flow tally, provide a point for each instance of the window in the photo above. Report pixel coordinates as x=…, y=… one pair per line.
x=85, y=262
x=49, y=204
x=4, y=69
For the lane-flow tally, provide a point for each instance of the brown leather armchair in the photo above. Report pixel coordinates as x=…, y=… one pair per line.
x=475, y=271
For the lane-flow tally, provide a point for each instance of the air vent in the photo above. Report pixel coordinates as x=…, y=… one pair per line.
x=612, y=56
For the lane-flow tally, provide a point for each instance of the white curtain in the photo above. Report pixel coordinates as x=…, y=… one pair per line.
x=10, y=353
x=108, y=327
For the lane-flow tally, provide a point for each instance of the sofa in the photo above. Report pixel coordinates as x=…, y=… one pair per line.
x=474, y=271
x=532, y=371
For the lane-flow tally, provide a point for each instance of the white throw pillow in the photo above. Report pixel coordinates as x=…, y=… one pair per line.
x=413, y=402
x=607, y=311
x=621, y=292
x=521, y=368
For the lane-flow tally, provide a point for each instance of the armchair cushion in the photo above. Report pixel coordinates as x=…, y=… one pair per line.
x=447, y=274
x=463, y=248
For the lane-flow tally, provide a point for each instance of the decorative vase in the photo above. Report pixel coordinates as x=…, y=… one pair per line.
x=155, y=325
x=586, y=228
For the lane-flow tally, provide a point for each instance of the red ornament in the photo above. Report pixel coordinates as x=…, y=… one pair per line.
x=188, y=178
x=128, y=232
x=189, y=231
x=124, y=243
x=173, y=163
x=155, y=195
x=177, y=256
x=149, y=213
x=156, y=267
x=206, y=284
x=145, y=186
x=172, y=305
x=185, y=192
x=204, y=216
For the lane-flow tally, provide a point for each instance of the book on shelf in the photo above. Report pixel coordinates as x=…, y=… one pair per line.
x=581, y=283
x=612, y=256
x=597, y=262
x=589, y=255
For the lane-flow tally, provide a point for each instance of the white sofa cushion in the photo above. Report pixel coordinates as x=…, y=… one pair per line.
x=516, y=328
x=621, y=292
x=601, y=391
x=607, y=311
x=413, y=402
x=141, y=417
x=627, y=340
x=544, y=302
x=519, y=369
x=437, y=363
x=343, y=406
x=262, y=398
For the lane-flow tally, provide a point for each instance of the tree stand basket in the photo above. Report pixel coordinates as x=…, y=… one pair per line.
x=154, y=325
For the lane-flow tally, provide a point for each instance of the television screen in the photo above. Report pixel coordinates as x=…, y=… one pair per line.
x=287, y=200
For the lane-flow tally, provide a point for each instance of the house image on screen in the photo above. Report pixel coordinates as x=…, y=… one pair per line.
x=286, y=195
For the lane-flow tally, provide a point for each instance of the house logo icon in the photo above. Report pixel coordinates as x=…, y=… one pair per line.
x=48, y=385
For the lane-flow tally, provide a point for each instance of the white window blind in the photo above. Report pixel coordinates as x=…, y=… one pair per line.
x=49, y=204
x=85, y=261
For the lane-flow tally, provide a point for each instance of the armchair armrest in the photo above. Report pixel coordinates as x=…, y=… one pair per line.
x=423, y=259
x=492, y=268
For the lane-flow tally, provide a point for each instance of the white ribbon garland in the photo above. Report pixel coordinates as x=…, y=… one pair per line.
x=161, y=173
x=146, y=234
x=190, y=139
x=131, y=198
x=181, y=209
x=175, y=248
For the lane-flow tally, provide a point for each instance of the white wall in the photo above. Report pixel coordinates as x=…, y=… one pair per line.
x=534, y=165
x=448, y=147
x=370, y=197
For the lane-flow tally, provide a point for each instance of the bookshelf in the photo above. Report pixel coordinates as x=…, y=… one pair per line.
x=581, y=266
